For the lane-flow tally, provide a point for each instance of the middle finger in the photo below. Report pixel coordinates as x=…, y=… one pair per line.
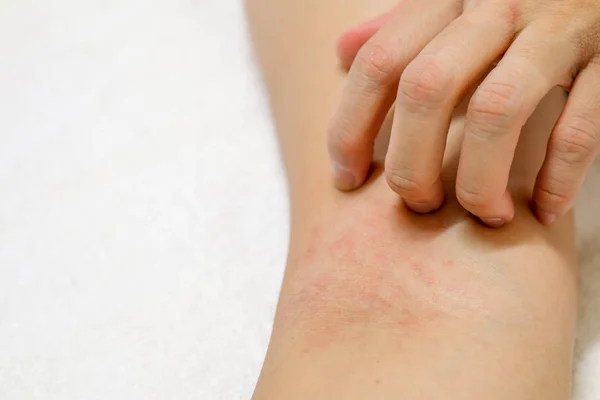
x=429, y=89
x=537, y=61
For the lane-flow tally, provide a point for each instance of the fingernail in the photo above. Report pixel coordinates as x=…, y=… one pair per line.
x=493, y=222
x=546, y=218
x=344, y=178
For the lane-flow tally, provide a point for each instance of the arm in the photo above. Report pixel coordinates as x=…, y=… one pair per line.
x=379, y=303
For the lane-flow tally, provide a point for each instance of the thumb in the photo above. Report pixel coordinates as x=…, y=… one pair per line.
x=350, y=42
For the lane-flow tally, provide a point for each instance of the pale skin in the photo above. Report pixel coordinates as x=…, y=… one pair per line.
x=380, y=303
x=426, y=54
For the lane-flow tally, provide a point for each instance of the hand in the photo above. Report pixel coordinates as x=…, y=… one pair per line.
x=426, y=54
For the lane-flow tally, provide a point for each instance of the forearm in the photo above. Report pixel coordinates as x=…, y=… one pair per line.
x=380, y=303
x=376, y=306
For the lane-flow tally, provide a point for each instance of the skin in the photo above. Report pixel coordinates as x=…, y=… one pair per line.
x=426, y=55
x=380, y=303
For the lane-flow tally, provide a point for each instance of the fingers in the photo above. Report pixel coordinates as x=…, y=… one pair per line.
x=353, y=39
x=534, y=64
x=429, y=89
x=372, y=83
x=573, y=145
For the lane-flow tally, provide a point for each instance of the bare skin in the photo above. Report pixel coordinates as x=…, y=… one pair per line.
x=427, y=54
x=381, y=303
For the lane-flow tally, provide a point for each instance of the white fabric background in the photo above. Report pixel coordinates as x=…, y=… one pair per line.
x=143, y=212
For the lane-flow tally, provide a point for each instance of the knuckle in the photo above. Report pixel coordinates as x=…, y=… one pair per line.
x=342, y=140
x=575, y=141
x=426, y=83
x=471, y=198
x=493, y=106
x=375, y=64
x=404, y=182
x=550, y=197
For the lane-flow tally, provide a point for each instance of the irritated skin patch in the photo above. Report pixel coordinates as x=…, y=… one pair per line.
x=354, y=298
x=372, y=272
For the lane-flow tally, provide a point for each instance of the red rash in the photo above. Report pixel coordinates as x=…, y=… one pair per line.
x=346, y=286
x=373, y=266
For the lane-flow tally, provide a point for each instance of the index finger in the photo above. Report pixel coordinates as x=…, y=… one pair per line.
x=372, y=83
